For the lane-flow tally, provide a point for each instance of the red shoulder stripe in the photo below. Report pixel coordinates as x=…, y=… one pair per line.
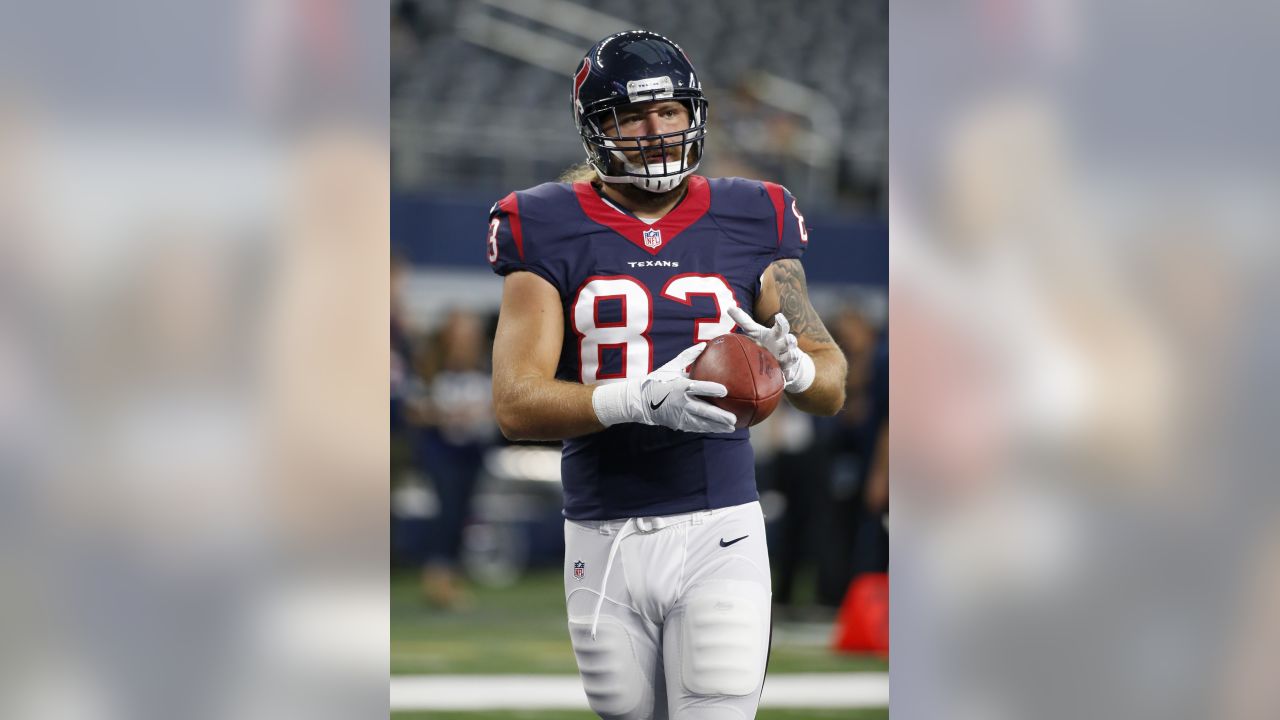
x=775, y=194
x=510, y=206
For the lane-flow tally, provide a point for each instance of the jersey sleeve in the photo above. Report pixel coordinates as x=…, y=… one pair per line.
x=793, y=236
x=507, y=246
x=504, y=245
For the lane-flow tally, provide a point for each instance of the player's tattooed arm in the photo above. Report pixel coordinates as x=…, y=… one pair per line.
x=784, y=290
x=793, y=298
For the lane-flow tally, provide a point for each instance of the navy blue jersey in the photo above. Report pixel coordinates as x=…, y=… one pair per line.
x=635, y=295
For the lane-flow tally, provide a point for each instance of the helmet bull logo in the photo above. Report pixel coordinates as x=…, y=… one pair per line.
x=652, y=238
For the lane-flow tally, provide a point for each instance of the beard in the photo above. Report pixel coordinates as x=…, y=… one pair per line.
x=641, y=200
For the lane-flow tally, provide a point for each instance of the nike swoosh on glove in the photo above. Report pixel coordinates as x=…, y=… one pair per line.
x=797, y=367
x=667, y=397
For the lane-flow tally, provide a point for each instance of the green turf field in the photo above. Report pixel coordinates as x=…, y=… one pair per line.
x=798, y=714
x=522, y=630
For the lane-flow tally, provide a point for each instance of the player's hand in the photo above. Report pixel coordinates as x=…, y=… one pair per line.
x=797, y=367
x=667, y=397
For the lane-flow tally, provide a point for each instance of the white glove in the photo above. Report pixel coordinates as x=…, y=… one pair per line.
x=797, y=367
x=665, y=397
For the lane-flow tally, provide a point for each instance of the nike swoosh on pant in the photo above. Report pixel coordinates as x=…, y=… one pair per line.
x=727, y=544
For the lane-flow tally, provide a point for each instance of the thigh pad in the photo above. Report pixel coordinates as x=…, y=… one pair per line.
x=616, y=686
x=724, y=638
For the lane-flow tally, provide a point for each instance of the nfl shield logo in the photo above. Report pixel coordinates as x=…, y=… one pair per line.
x=652, y=238
x=579, y=570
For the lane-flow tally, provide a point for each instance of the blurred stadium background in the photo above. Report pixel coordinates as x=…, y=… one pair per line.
x=479, y=107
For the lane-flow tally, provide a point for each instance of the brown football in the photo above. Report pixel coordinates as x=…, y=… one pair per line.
x=747, y=371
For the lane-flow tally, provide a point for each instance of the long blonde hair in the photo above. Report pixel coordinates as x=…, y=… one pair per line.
x=581, y=172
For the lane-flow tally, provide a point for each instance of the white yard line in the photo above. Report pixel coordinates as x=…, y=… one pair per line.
x=564, y=692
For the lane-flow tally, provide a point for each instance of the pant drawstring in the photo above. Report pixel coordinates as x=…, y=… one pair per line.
x=608, y=566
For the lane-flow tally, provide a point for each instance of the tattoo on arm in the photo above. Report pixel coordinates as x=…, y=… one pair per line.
x=793, y=295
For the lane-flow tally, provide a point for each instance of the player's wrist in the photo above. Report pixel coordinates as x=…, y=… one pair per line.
x=803, y=374
x=612, y=403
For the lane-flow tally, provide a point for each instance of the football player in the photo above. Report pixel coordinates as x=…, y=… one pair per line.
x=612, y=288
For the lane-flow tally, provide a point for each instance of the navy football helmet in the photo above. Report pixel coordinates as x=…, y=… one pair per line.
x=633, y=67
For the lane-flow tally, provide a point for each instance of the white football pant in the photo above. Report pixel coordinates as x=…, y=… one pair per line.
x=682, y=629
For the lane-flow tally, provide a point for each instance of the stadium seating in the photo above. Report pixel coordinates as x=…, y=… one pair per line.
x=472, y=110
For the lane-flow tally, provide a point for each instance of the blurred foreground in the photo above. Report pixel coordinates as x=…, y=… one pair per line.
x=1082, y=286
x=193, y=291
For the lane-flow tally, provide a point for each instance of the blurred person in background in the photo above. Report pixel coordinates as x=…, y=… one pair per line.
x=791, y=472
x=858, y=439
x=455, y=416
x=636, y=259
x=832, y=476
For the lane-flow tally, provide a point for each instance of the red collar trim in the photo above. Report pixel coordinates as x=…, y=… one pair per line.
x=650, y=238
